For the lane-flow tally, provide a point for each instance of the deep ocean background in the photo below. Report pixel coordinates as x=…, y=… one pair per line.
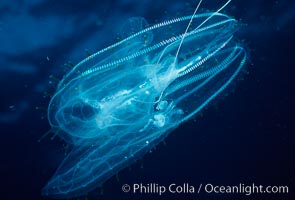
x=244, y=138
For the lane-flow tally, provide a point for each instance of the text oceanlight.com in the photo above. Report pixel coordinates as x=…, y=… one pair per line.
x=186, y=188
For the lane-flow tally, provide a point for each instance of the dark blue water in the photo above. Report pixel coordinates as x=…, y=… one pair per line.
x=246, y=137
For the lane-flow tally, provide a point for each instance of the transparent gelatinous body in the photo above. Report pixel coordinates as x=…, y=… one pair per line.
x=118, y=103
